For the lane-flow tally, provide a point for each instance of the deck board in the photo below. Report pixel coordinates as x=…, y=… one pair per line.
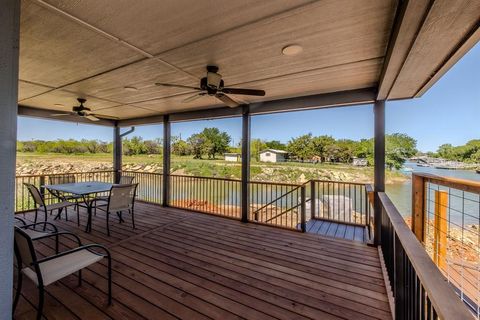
x=337, y=230
x=179, y=264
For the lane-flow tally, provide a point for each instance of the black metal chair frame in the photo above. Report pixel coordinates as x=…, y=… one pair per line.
x=106, y=208
x=45, y=208
x=36, y=266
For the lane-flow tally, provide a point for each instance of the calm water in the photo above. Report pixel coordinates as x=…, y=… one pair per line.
x=401, y=193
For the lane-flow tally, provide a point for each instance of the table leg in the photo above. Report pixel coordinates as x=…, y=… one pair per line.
x=89, y=213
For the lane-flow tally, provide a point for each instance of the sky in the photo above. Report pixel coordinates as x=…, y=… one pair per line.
x=448, y=113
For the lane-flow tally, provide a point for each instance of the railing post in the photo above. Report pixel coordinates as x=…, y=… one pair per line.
x=379, y=115
x=245, y=193
x=313, y=200
x=418, y=207
x=42, y=184
x=117, y=154
x=440, y=230
x=166, y=161
x=303, y=222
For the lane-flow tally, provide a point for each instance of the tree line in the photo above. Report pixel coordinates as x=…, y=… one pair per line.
x=469, y=152
x=211, y=142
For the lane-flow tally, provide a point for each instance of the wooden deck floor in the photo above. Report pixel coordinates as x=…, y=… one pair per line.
x=337, y=230
x=186, y=265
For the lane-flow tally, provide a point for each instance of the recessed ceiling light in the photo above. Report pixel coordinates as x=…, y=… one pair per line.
x=58, y=105
x=128, y=88
x=292, y=50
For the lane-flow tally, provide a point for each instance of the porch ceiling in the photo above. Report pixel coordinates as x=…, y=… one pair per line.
x=95, y=48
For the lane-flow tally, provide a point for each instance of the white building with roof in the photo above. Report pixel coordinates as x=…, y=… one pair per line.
x=273, y=155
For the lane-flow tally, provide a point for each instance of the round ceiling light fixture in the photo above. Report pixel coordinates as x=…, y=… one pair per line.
x=292, y=50
x=129, y=88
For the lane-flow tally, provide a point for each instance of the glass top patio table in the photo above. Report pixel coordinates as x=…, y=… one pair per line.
x=83, y=189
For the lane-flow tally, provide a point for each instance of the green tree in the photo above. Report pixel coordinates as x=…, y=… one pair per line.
x=302, y=147
x=216, y=142
x=320, y=146
x=275, y=144
x=256, y=146
x=398, y=148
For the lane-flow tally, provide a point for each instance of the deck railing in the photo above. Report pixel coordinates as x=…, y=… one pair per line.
x=219, y=196
x=446, y=220
x=279, y=204
x=23, y=200
x=150, y=185
x=419, y=288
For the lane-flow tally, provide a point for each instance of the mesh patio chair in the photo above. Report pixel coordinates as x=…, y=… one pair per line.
x=63, y=179
x=40, y=204
x=121, y=199
x=123, y=180
x=48, y=270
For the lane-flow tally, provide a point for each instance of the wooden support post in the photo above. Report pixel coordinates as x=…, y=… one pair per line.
x=245, y=193
x=440, y=230
x=418, y=207
x=166, y=161
x=379, y=114
x=117, y=154
x=313, y=200
x=9, y=39
x=303, y=198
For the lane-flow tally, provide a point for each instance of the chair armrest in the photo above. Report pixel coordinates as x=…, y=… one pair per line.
x=61, y=233
x=87, y=246
x=54, y=227
x=21, y=220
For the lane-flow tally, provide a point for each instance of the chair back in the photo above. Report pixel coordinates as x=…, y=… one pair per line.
x=35, y=193
x=24, y=247
x=122, y=197
x=126, y=179
x=62, y=179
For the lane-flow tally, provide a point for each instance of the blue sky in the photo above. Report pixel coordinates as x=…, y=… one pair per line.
x=448, y=113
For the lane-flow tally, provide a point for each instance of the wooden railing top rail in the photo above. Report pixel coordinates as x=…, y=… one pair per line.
x=200, y=177
x=443, y=297
x=62, y=174
x=456, y=183
x=343, y=182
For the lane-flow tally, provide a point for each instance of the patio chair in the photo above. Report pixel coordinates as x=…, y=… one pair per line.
x=123, y=180
x=40, y=203
x=120, y=199
x=62, y=179
x=48, y=270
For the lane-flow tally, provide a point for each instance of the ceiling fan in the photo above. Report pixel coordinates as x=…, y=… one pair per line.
x=213, y=85
x=83, y=112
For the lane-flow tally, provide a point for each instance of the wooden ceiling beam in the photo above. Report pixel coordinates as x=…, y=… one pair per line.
x=47, y=114
x=326, y=100
x=408, y=22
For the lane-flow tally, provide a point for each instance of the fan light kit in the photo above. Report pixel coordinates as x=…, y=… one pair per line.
x=213, y=85
x=129, y=88
x=292, y=50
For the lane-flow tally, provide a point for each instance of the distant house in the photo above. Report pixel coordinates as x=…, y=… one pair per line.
x=273, y=155
x=360, y=162
x=234, y=157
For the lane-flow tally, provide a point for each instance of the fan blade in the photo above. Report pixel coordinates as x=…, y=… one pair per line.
x=227, y=100
x=249, y=92
x=92, y=117
x=175, y=86
x=102, y=116
x=193, y=98
x=60, y=114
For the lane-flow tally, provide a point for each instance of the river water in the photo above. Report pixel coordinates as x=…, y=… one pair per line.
x=401, y=193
